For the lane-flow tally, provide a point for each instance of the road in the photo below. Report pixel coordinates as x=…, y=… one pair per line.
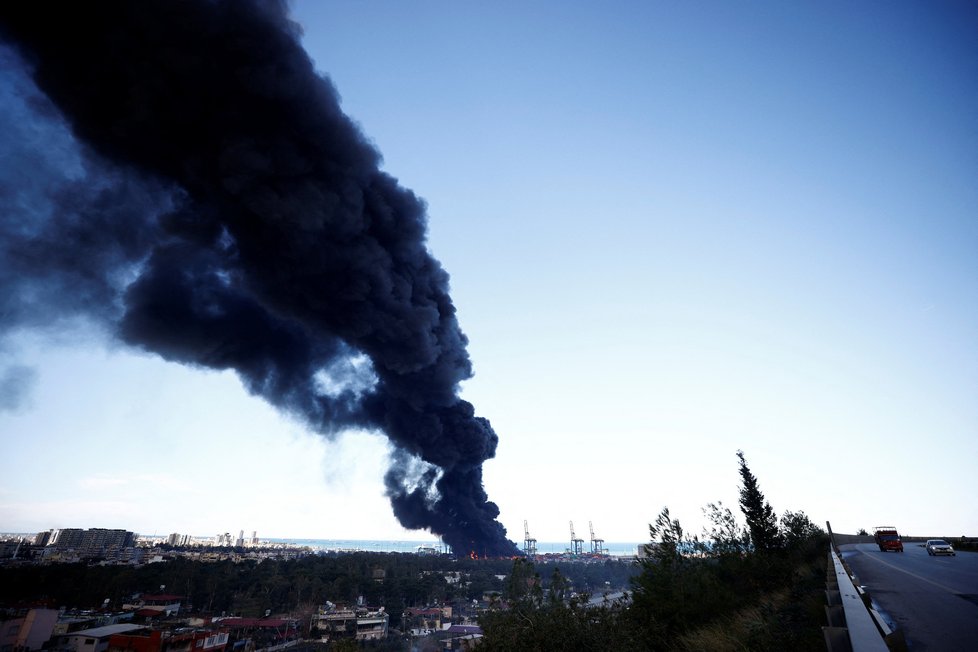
x=933, y=600
x=597, y=600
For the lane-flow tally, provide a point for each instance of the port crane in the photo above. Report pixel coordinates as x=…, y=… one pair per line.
x=529, y=543
x=597, y=545
x=577, y=545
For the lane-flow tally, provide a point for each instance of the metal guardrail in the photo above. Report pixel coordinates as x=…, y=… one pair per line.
x=863, y=635
x=853, y=625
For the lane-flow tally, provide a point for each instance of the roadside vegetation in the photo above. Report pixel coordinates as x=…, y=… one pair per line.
x=757, y=586
x=963, y=543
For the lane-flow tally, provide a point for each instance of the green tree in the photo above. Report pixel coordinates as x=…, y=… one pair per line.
x=725, y=537
x=674, y=590
x=523, y=583
x=344, y=645
x=669, y=532
x=761, y=521
x=558, y=587
x=534, y=623
x=797, y=528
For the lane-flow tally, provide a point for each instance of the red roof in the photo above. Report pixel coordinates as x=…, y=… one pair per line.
x=151, y=613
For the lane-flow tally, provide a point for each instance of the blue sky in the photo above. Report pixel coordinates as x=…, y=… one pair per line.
x=673, y=231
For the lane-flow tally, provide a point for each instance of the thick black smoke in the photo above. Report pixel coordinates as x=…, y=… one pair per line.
x=225, y=213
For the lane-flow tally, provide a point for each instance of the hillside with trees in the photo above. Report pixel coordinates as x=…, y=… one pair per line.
x=757, y=586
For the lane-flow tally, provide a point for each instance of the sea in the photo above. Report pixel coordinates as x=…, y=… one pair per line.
x=612, y=548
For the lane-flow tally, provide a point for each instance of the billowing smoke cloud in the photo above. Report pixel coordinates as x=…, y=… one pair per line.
x=192, y=184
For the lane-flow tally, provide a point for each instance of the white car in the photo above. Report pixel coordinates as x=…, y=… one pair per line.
x=938, y=547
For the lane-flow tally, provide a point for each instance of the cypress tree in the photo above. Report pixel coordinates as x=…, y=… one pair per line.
x=761, y=521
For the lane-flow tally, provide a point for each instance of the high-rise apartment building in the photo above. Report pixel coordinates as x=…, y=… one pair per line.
x=94, y=542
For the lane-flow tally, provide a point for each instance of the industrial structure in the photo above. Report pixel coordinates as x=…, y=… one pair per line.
x=577, y=545
x=529, y=543
x=576, y=549
x=597, y=545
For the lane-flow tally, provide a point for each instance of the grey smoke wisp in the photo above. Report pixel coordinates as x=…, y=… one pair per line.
x=192, y=184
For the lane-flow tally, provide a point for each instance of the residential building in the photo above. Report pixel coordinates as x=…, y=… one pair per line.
x=463, y=637
x=422, y=622
x=161, y=602
x=197, y=640
x=27, y=630
x=94, y=542
x=92, y=640
x=359, y=622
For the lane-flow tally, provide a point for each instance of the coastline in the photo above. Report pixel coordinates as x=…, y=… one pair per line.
x=613, y=548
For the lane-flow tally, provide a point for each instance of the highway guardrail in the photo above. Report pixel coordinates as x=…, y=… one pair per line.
x=853, y=625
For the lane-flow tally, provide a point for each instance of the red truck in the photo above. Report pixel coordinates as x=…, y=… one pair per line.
x=887, y=538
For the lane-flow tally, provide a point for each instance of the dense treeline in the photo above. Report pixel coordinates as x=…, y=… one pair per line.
x=250, y=588
x=395, y=581
x=757, y=586
x=593, y=577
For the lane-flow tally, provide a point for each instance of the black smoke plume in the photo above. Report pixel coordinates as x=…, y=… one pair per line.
x=222, y=211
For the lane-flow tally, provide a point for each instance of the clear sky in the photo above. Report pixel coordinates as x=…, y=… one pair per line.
x=674, y=230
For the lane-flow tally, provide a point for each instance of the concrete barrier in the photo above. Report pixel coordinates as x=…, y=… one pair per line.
x=842, y=539
x=863, y=634
x=835, y=616
x=836, y=583
x=836, y=639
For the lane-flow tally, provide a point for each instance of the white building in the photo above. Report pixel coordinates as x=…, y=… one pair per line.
x=92, y=640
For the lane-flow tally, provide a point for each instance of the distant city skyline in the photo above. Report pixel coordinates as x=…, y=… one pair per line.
x=672, y=231
x=226, y=539
x=159, y=535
